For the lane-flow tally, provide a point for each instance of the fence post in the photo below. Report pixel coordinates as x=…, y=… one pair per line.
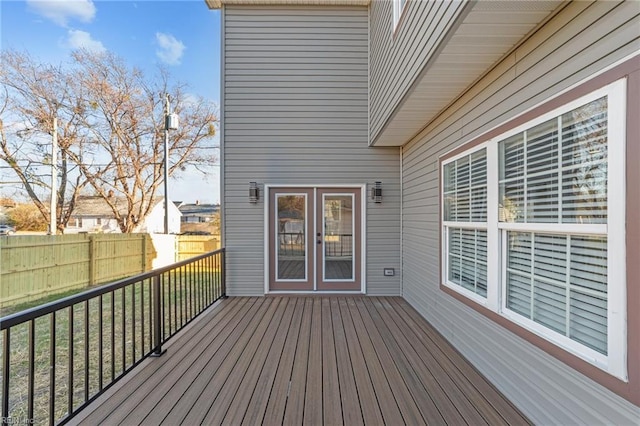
x=144, y=252
x=157, y=318
x=92, y=259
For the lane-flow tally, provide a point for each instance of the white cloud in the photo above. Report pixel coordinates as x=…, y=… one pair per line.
x=62, y=11
x=171, y=49
x=82, y=40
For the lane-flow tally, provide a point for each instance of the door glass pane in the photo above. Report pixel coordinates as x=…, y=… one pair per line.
x=291, y=246
x=338, y=237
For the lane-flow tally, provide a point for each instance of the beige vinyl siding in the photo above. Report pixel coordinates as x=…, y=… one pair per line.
x=581, y=40
x=398, y=56
x=295, y=112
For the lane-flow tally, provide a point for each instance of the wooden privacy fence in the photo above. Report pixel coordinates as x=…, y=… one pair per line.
x=188, y=246
x=32, y=267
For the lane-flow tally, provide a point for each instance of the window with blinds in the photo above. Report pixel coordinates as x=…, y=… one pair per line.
x=556, y=172
x=547, y=197
x=465, y=215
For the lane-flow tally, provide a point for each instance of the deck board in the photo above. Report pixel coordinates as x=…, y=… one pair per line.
x=330, y=360
x=277, y=398
x=331, y=405
x=351, y=409
x=294, y=409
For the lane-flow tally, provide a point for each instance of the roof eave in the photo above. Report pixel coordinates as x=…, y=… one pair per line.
x=217, y=4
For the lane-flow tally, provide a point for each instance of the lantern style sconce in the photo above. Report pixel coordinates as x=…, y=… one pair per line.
x=376, y=192
x=254, y=192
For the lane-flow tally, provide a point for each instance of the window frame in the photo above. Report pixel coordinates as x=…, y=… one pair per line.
x=464, y=225
x=614, y=363
x=398, y=8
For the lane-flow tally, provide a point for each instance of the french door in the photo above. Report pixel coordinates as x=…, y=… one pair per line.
x=314, y=239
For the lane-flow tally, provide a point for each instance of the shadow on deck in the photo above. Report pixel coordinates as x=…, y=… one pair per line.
x=305, y=360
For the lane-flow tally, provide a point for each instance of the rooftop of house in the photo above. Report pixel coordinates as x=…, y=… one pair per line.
x=199, y=209
x=97, y=206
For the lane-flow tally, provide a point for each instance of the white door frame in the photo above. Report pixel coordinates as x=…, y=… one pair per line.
x=363, y=242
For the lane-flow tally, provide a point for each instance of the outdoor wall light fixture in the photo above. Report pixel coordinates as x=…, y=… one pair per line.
x=254, y=192
x=376, y=192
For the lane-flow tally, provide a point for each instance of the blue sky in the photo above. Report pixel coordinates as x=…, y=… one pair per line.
x=183, y=36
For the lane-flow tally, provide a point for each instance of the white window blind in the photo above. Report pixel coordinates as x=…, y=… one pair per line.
x=556, y=171
x=560, y=282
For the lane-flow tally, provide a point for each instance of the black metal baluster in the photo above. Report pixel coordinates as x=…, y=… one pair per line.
x=142, y=317
x=169, y=307
x=86, y=350
x=113, y=335
x=6, y=367
x=100, y=343
x=206, y=271
x=52, y=368
x=179, y=283
x=123, y=309
x=223, y=284
x=216, y=262
x=162, y=305
x=202, y=287
x=191, y=295
x=194, y=285
x=151, y=314
x=133, y=321
x=70, y=359
x=32, y=367
x=198, y=284
x=175, y=304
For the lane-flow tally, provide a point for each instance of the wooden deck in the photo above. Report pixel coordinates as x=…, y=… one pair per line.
x=306, y=360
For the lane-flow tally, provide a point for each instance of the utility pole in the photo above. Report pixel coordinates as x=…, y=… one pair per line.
x=170, y=123
x=53, y=226
x=166, y=164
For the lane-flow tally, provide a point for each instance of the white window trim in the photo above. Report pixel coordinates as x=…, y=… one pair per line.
x=615, y=362
x=397, y=11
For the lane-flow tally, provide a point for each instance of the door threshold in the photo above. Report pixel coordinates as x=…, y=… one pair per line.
x=320, y=293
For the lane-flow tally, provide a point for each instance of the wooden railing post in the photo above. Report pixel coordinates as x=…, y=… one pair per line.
x=157, y=317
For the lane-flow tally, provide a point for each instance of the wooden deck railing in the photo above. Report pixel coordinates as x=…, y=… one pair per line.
x=57, y=358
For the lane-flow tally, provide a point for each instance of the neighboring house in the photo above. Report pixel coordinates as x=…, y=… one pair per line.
x=198, y=213
x=506, y=139
x=93, y=214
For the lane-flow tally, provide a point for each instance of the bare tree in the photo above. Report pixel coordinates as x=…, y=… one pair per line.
x=114, y=121
x=126, y=121
x=32, y=95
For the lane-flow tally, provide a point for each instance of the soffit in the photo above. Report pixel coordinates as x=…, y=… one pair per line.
x=487, y=33
x=217, y=4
